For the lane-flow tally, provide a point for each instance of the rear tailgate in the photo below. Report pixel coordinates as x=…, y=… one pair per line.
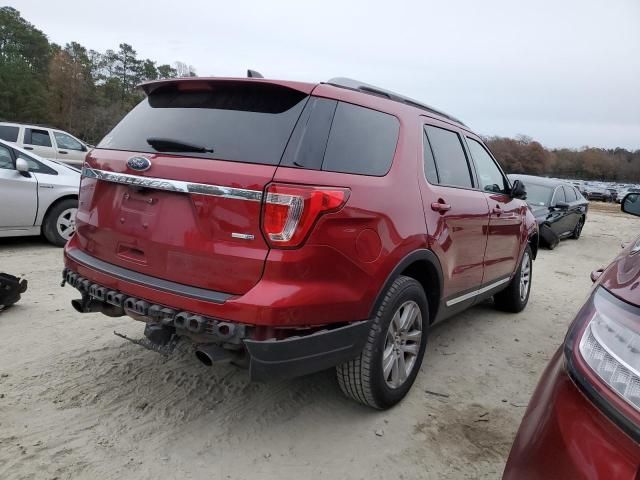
x=190, y=217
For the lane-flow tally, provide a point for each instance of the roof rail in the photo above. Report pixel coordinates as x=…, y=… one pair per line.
x=371, y=89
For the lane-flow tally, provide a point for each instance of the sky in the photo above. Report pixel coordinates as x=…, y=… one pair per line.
x=566, y=73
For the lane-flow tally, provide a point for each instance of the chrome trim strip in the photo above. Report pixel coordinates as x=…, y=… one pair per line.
x=475, y=293
x=173, y=185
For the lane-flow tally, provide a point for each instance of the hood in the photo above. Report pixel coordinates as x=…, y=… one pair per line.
x=622, y=276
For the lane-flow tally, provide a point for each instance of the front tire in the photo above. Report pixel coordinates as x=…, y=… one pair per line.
x=577, y=231
x=390, y=360
x=515, y=297
x=60, y=222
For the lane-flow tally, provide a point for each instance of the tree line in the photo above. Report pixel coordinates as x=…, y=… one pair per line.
x=82, y=91
x=86, y=93
x=524, y=155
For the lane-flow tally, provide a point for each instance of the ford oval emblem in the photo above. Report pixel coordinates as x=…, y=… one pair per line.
x=139, y=163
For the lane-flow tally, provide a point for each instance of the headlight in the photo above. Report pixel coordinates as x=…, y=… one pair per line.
x=602, y=350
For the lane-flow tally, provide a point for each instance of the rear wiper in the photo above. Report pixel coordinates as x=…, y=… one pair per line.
x=171, y=145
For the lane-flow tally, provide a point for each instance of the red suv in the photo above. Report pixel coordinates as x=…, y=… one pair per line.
x=297, y=227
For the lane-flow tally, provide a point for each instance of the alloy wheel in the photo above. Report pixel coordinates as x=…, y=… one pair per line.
x=402, y=344
x=525, y=276
x=66, y=223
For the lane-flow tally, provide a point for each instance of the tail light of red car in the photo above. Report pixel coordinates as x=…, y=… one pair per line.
x=602, y=350
x=290, y=211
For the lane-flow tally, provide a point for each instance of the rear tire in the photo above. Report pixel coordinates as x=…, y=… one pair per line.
x=515, y=297
x=389, y=363
x=60, y=222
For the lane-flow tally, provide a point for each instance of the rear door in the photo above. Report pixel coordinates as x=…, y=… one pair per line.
x=456, y=213
x=174, y=191
x=19, y=194
x=505, y=224
x=39, y=141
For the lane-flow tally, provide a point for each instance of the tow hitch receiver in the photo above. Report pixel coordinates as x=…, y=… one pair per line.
x=10, y=289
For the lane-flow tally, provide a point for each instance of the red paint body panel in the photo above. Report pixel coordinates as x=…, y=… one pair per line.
x=334, y=276
x=563, y=435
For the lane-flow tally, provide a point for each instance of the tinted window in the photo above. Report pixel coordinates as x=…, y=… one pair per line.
x=430, y=170
x=361, y=141
x=36, y=137
x=5, y=158
x=67, y=142
x=249, y=122
x=570, y=194
x=451, y=162
x=558, y=196
x=8, y=133
x=490, y=177
x=309, y=139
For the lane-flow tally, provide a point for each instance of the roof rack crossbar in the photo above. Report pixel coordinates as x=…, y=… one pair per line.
x=366, y=88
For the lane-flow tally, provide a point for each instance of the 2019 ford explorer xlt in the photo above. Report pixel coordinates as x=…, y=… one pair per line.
x=298, y=227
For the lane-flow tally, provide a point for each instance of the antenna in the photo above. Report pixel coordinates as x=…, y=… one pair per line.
x=254, y=74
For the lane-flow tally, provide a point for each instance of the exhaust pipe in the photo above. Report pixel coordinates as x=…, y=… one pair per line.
x=210, y=354
x=88, y=305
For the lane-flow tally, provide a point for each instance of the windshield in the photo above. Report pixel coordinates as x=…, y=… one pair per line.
x=538, y=195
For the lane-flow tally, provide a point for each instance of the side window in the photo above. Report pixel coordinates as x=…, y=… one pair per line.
x=570, y=194
x=361, y=141
x=5, y=158
x=451, y=161
x=37, y=137
x=578, y=194
x=34, y=165
x=558, y=196
x=9, y=133
x=67, y=142
x=430, y=170
x=489, y=175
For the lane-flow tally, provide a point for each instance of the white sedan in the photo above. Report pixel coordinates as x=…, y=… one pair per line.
x=37, y=196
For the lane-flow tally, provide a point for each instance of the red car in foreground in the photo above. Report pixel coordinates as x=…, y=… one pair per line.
x=583, y=421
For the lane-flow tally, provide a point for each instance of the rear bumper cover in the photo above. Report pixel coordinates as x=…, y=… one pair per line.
x=297, y=356
x=269, y=359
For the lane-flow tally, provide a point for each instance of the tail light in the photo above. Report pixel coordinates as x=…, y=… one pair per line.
x=290, y=212
x=603, y=356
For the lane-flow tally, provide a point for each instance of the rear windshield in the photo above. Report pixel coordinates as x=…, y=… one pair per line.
x=249, y=122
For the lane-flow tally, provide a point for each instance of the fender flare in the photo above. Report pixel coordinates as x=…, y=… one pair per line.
x=417, y=255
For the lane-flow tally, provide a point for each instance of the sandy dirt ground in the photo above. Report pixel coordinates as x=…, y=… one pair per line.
x=78, y=402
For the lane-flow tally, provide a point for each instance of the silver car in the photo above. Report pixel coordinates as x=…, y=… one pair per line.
x=37, y=196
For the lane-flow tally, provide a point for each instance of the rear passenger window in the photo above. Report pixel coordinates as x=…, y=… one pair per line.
x=450, y=159
x=570, y=194
x=39, y=138
x=9, y=133
x=361, y=141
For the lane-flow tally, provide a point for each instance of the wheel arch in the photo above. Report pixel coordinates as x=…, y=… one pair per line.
x=70, y=196
x=422, y=265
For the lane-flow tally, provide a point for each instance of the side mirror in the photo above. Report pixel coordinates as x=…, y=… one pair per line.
x=22, y=167
x=84, y=148
x=518, y=190
x=561, y=205
x=631, y=204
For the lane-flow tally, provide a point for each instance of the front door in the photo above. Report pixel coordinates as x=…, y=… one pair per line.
x=69, y=149
x=18, y=195
x=505, y=224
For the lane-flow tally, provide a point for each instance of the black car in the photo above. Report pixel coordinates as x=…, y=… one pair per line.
x=559, y=208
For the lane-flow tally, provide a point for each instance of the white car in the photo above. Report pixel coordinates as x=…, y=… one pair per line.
x=46, y=142
x=37, y=196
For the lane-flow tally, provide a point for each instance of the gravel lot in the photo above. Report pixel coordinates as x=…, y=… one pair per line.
x=78, y=402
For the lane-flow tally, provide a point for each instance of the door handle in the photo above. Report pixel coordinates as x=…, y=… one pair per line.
x=27, y=148
x=440, y=206
x=64, y=152
x=497, y=210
